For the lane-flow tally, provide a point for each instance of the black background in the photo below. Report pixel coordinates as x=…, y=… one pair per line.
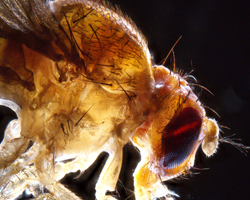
x=216, y=43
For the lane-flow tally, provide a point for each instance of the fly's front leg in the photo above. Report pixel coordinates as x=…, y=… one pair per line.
x=110, y=173
x=30, y=180
x=19, y=182
x=58, y=191
x=46, y=196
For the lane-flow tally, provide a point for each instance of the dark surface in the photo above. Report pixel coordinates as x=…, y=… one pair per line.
x=216, y=43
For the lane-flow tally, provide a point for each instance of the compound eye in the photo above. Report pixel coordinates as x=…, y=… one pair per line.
x=179, y=137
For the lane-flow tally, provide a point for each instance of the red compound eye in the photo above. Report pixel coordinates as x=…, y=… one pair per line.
x=179, y=137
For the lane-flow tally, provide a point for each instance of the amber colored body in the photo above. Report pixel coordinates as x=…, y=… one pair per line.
x=80, y=78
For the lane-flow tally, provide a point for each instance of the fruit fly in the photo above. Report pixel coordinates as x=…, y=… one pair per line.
x=81, y=80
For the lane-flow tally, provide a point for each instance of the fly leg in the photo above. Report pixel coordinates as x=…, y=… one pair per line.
x=59, y=192
x=110, y=173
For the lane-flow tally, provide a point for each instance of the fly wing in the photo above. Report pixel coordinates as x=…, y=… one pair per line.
x=33, y=23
